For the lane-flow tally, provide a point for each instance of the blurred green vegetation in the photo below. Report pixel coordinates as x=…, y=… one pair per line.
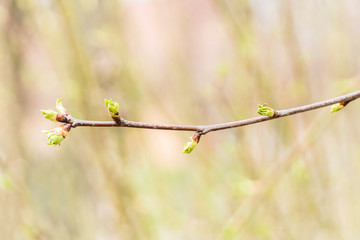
x=180, y=62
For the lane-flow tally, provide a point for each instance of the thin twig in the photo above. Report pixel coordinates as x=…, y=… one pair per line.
x=203, y=129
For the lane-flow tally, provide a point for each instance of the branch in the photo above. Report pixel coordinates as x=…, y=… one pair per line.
x=268, y=114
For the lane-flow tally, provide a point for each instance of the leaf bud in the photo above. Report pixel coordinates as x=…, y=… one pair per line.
x=265, y=110
x=337, y=107
x=191, y=144
x=57, y=135
x=112, y=107
x=59, y=106
x=49, y=114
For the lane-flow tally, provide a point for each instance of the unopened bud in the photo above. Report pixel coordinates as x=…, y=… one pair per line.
x=265, y=110
x=337, y=107
x=191, y=144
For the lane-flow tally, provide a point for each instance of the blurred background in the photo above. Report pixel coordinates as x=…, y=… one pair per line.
x=179, y=62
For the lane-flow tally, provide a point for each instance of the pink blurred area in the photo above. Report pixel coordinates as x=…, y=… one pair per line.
x=179, y=62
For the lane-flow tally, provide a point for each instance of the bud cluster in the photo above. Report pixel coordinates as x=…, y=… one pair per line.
x=59, y=116
x=58, y=134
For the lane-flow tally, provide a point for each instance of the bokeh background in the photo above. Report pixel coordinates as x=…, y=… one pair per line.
x=179, y=62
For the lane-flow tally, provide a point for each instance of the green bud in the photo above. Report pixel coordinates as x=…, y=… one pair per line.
x=57, y=135
x=265, y=110
x=49, y=114
x=190, y=145
x=60, y=107
x=336, y=107
x=112, y=107
x=194, y=140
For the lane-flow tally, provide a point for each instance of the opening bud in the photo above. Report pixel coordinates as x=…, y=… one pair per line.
x=60, y=107
x=265, y=110
x=112, y=107
x=57, y=135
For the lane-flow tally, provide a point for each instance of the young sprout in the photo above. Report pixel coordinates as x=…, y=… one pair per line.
x=265, y=110
x=191, y=144
x=112, y=107
x=60, y=107
x=337, y=107
x=57, y=135
x=49, y=114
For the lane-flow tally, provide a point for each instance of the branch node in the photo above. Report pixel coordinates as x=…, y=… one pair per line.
x=117, y=119
x=344, y=103
x=196, y=136
x=276, y=114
